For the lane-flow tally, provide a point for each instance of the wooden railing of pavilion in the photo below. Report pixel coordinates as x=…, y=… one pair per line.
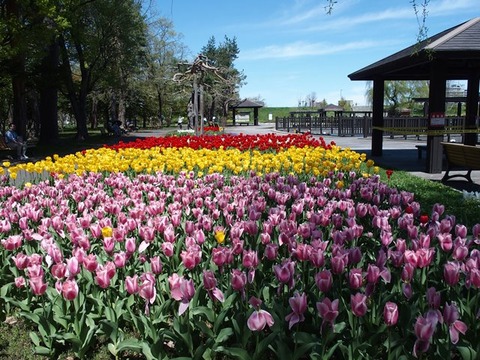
x=362, y=126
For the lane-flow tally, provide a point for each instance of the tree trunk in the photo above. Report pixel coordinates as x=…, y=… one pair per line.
x=17, y=69
x=49, y=96
x=78, y=102
x=160, y=109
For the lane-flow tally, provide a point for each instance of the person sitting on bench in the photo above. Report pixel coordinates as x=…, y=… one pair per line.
x=16, y=142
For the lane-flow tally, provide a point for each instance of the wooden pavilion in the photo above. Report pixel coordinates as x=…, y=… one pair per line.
x=453, y=54
x=247, y=104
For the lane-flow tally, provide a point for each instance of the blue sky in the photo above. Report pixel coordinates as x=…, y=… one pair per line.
x=292, y=48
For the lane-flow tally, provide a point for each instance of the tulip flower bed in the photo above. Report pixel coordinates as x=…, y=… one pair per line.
x=261, y=264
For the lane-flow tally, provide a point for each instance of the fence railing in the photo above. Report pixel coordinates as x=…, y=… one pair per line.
x=362, y=126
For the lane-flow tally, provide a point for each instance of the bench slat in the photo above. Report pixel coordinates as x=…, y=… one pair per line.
x=463, y=156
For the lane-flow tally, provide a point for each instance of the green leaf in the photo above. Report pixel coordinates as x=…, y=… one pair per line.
x=467, y=353
x=235, y=352
x=205, y=311
x=113, y=350
x=224, y=335
x=331, y=350
x=34, y=337
x=129, y=344
x=42, y=350
x=302, y=350
x=204, y=328
x=263, y=345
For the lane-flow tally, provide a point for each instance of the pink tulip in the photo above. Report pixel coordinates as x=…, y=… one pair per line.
x=474, y=278
x=169, y=234
x=239, y=280
x=250, y=259
x=90, y=262
x=73, y=267
x=455, y=326
x=131, y=284
x=108, y=244
x=324, y=280
x=58, y=271
x=451, y=273
x=190, y=258
x=358, y=304
x=187, y=290
x=271, y=251
x=298, y=304
x=69, y=290
x=210, y=284
x=20, y=282
x=285, y=272
x=21, y=261
x=130, y=245
x=424, y=329
x=355, y=278
x=219, y=256
x=425, y=325
x=37, y=285
x=390, y=313
x=12, y=242
x=328, y=310
x=408, y=272
x=433, y=298
x=407, y=290
x=476, y=231
x=156, y=265
x=147, y=290
x=461, y=231
x=174, y=284
x=259, y=318
x=339, y=263
x=101, y=277
x=373, y=274
x=35, y=270
x=445, y=241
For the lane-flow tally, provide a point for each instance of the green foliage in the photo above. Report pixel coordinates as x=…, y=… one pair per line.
x=427, y=194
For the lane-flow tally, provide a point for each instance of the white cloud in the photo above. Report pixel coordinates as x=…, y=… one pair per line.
x=303, y=48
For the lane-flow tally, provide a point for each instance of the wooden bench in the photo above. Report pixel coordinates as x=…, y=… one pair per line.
x=420, y=150
x=4, y=149
x=463, y=157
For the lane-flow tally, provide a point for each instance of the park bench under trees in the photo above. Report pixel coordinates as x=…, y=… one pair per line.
x=460, y=156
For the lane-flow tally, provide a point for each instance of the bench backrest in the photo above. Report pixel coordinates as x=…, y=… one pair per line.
x=463, y=155
x=3, y=144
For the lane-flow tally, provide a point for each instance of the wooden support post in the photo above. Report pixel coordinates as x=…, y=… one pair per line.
x=377, y=118
x=472, y=108
x=436, y=105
